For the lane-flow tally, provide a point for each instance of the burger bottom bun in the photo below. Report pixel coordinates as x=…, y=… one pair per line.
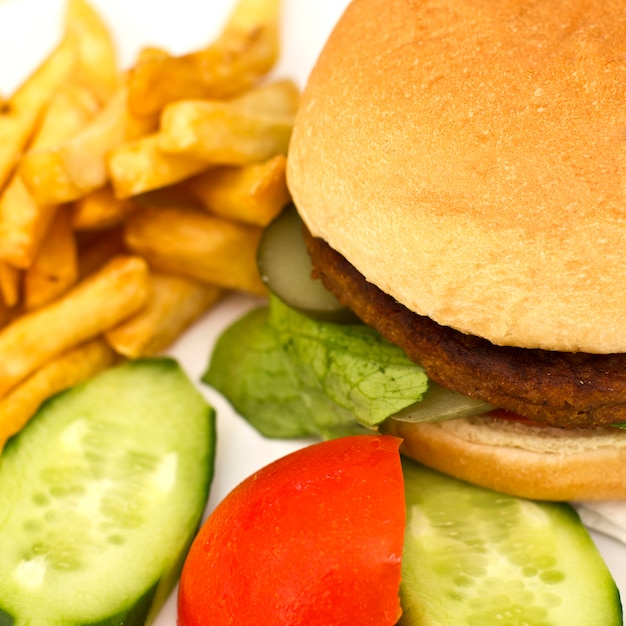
x=536, y=462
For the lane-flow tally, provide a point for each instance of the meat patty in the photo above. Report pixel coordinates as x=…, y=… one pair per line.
x=558, y=388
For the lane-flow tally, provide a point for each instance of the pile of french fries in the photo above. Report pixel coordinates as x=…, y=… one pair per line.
x=131, y=201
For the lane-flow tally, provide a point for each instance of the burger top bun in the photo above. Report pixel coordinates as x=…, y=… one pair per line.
x=469, y=158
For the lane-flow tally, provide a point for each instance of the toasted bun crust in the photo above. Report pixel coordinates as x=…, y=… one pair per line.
x=535, y=462
x=469, y=158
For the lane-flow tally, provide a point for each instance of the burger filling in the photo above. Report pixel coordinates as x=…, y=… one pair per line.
x=570, y=390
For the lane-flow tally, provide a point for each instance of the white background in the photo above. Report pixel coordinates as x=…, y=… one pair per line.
x=29, y=28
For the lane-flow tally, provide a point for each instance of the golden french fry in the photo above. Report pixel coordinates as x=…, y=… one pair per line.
x=176, y=302
x=64, y=172
x=178, y=194
x=71, y=108
x=221, y=133
x=7, y=313
x=139, y=166
x=151, y=53
x=55, y=268
x=192, y=243
x=142, y=125
x=98, y=248
x=99, y=209
x=281, y=97
x=23, y=223
x=252, y=127
x=96, y=304
x=246, y=50
x=24, y=220
x=250, y=14
x=137, y=127
x=20, y=114
x=253, y=194
x=97, y=65
x=62, y=372
x=10, y=284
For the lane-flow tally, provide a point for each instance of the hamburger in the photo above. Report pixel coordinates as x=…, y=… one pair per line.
x=460, y=167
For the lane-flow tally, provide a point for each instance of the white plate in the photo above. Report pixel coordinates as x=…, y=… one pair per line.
x=29, y=28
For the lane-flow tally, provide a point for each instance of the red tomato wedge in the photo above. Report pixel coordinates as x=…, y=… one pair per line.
x=313, y=539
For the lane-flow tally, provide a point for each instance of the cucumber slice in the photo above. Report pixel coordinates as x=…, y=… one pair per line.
x=100, y=497
x=439, y=404
x=285, y=268
x=474, y=557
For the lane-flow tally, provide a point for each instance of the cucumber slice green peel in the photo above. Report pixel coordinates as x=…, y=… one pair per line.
x=100, y=497
x=474, y=557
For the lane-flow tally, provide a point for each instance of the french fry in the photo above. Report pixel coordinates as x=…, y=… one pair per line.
x=10, y=284
x=65, y=172
x=137, y=127
x=23, y=223
x=62, y=372
x=139, y=166
x=7, y=313
x=71, y=108
x=280, y=97
x=176, y=302
x=246, y=49
x=98, y=303
x=20, y=114
x=197, y=245
x=99, y=209
x=98, y=248
x=255, y=126
x=253, y=194
x=249, y=15
x=140, y=126
x=151, y=53
x=177, y=194
x=23, y=219
x=97, y=66
x=221, y=133
x=55, y=268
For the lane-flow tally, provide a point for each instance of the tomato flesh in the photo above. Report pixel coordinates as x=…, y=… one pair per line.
x=314, y=538
x=514, y=417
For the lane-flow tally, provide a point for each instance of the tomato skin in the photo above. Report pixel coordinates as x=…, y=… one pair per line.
x=312, y=539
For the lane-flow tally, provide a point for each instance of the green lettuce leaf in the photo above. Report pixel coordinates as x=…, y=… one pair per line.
x=291, y=376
